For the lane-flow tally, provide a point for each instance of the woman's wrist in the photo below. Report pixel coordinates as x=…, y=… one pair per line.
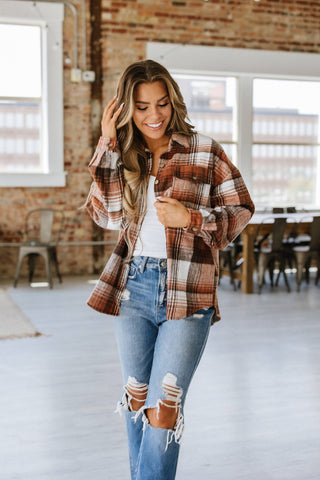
x=188, y=220
x=111, y=142
x=196, y=220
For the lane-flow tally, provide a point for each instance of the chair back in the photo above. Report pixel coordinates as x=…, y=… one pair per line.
x=44, y=225
x=315, y=234
x=278, y=230
x=291, y=210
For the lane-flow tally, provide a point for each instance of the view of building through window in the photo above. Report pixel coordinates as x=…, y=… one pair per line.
x=285, y=132
x=20, y=99
x=212, y=108
x=285, y=163
x=286, y=140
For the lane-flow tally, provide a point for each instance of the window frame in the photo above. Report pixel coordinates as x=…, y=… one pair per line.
x=246, y=65
x=49, y=17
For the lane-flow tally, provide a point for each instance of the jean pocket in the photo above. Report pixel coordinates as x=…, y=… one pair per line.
x=207, y=309
x=206, y=312
x=132, y=272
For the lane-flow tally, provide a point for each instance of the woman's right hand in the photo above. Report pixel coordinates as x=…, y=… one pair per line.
x=109, y=119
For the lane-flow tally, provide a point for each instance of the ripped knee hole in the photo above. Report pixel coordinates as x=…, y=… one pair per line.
x=135, y=393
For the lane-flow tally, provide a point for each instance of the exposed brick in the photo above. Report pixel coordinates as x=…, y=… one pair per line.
x=287, y=25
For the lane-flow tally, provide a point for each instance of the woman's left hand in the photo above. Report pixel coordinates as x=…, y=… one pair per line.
x=172, y=213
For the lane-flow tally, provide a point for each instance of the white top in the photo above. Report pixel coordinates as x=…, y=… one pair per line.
x=152, y=239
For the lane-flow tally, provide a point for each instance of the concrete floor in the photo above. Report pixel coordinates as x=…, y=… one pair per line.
x=253, y=410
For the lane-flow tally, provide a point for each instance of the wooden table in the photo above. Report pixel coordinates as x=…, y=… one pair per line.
x=303, y=226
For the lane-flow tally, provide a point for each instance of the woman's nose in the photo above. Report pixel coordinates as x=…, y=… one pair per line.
x=155, y=112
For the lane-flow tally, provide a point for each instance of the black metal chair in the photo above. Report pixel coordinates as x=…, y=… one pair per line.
x=291, y=210
x=230, y=258
x=306, y=253
x=303, y=239
x=289, y=241
x=42, y=233
x=271, y=254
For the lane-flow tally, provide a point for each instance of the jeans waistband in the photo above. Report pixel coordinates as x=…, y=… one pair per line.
x=142, y=262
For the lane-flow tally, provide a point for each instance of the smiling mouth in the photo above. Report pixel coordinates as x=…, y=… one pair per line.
x=154, y=125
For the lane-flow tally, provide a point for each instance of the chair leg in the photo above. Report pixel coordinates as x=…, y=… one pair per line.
x=318, y=268
x=307, y=266
x=32, y=257
x=283, y=270
x=262, y=264
x=225, y=260
x=46, y=257
x=271, y=269
x=55, y=261
x=301, y=260
x=17, y=275
x=230, y=268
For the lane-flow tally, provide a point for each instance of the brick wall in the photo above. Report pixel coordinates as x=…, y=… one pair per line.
x=291, y=25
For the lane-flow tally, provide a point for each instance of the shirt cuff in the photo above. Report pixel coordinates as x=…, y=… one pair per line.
x=105, y=144
x=196, y=221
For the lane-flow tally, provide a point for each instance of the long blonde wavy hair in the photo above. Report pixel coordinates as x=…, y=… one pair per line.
x=130, y=140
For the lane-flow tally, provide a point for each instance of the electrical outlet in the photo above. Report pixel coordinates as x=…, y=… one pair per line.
x=76, y=75
x=88, y=76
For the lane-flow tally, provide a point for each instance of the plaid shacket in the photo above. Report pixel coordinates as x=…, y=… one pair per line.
x=196, y=171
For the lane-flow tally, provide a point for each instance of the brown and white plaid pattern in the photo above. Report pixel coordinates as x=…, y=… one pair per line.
x=196, y=171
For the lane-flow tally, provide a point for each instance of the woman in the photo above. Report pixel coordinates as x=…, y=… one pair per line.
x=176, y=199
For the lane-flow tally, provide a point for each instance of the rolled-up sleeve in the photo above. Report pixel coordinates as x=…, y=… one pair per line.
x=104, y=202
x=231, y=204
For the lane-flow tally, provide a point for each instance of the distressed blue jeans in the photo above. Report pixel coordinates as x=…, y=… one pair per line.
x=158, y=360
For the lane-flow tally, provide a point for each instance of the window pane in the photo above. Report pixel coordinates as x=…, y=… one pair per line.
x=20, y=59
x=231, y=152
x=211, y=104
x=284, y=174
x=20, y=137
x=286, y=111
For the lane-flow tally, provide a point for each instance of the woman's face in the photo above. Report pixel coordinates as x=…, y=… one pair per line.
x=152, y=111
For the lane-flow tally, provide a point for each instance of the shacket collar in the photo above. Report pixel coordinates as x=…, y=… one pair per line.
x=183, y=140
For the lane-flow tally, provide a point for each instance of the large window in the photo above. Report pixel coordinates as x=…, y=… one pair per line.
x=286, y=141
x=263, y=107
x=31, y=100
x=21, y=99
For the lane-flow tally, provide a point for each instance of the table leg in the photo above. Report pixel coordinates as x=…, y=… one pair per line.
x=248, y=261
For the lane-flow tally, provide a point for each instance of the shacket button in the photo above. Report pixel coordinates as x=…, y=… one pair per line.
x=161, y=163
x=156, y=181
x=194, y=229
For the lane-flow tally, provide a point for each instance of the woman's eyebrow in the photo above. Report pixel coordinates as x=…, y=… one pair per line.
x=147, y=103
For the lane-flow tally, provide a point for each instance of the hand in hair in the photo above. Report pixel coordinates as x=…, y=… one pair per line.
x=109, y=119
x=172, y=213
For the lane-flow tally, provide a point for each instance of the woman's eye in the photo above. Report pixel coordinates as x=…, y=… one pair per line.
x=161, y=105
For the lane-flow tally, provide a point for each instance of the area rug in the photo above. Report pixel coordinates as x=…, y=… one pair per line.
x=13, y=322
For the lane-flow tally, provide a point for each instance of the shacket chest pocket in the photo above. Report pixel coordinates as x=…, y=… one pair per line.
x=192, y=185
